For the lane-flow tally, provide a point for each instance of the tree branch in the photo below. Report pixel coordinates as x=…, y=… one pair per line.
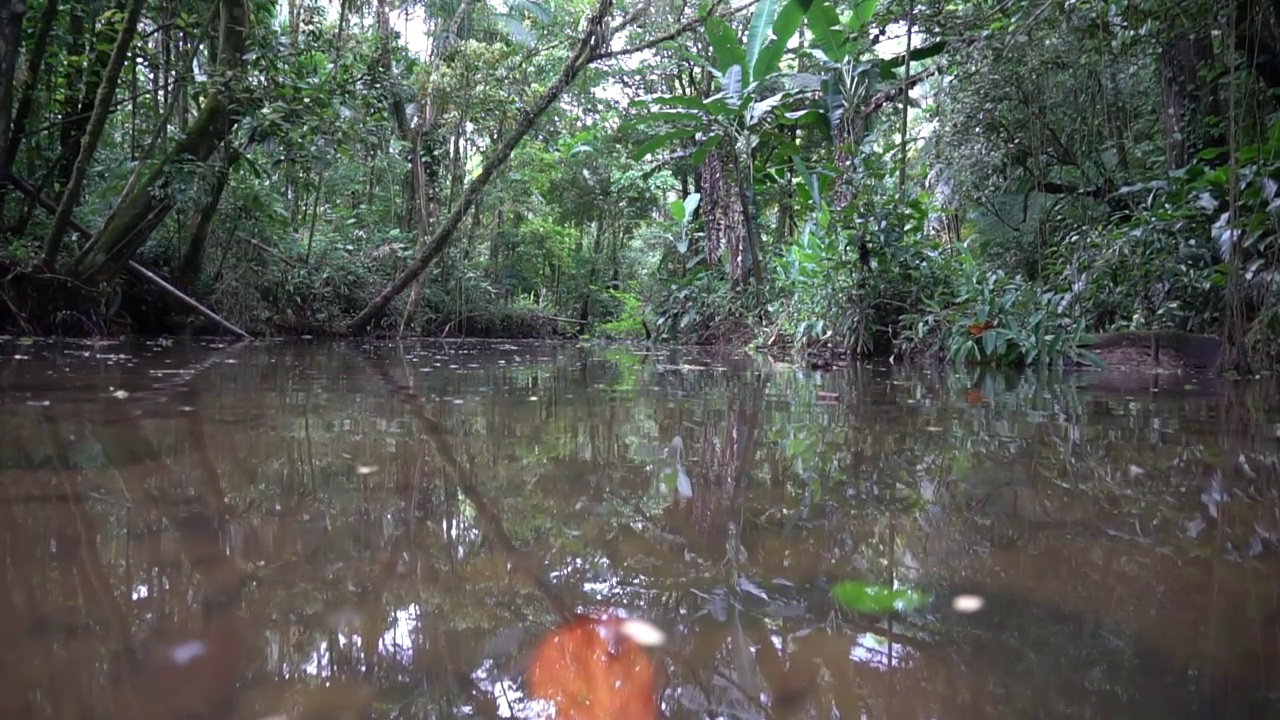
x=879, y=100
x=672, y=34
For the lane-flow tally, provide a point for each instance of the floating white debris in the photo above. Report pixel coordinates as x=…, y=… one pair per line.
x=366, y=469
x=183, y=653
x=967, y=604
x=120, y=394
x=643, y=632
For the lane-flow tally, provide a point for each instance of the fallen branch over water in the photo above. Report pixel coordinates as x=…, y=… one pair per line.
x=138, y=271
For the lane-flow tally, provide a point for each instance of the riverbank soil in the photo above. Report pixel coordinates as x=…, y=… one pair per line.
x=1157, y=350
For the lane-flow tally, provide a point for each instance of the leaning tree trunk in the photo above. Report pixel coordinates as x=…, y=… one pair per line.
x=593, y=38
x=148, y=204
x=93, y=133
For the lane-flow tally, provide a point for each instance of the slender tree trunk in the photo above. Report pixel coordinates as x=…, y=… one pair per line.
x=201, y=223
x=144, y=209
x=17, y=128
x=1257, y=38
x=11, y=14
x=342, y=23
x=746, y=196
x=85, y=81
x=594, y=37
x=93, y=133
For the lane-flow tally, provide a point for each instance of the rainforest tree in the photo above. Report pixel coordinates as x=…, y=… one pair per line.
x=987, y=182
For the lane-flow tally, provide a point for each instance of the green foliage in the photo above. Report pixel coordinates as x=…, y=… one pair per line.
x=995, y=319
x=801, y=172
x=869, y=598
x=629, y=324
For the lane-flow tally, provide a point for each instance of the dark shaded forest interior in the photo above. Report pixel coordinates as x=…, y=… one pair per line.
x=1007, y=183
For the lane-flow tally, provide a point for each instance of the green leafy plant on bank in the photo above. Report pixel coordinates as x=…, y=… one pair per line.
x=997, y=319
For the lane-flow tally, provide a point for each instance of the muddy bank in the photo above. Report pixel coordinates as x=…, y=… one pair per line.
x=1166, y=350
x=35, y=304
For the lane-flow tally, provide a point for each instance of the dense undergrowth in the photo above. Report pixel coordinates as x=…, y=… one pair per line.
x=993, y=186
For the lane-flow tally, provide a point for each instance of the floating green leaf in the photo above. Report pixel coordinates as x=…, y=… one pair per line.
x=865, y=597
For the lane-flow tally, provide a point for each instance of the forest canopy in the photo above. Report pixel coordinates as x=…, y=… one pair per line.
x=993, y=182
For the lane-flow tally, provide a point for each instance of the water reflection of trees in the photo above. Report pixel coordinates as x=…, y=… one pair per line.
x=302, y=534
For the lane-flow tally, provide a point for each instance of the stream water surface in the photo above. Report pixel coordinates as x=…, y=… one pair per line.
x=384, y=530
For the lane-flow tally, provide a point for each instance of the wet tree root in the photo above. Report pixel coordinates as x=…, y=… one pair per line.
x=40, y=304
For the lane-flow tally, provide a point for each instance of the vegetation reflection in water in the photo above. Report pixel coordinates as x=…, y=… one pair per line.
x=318, y=530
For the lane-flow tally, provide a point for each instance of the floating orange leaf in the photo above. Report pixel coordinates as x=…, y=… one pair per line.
x=590, y=668
x=973, y=396
x=976, y=329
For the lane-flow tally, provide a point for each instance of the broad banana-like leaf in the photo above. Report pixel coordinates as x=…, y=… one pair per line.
x=784, y=28
x=674, y=115
x=833, y=98
x=724, y=43
x=863, y=11
x=531, y=8
x=678, y=101
x=803, y=117
x=757, y=34
x=677, y=210
x=731, y=85
x=924, y=52
x=515, y=29
x=828, y=32
x=756, y=111
x=691, y=205
x=659, y=141
x=810, y=182
x=804, y=82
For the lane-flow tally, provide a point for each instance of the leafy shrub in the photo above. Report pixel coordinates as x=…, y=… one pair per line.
x=995, y=319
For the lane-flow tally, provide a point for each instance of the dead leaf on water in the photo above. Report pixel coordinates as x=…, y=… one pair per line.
x=593, y=668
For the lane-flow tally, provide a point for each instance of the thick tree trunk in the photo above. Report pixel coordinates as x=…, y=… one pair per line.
x=1187, y=101
x=148, y=205
x=593, y=38
x=93, y=133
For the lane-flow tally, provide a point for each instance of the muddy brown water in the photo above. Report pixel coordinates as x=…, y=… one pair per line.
x=383, y=530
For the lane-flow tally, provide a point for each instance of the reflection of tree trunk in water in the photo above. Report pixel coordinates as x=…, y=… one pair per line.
x=728, y=465
x=489, y=520
x=18, y=600
x=75, y=549
x=211, y=484
x=206, y=684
